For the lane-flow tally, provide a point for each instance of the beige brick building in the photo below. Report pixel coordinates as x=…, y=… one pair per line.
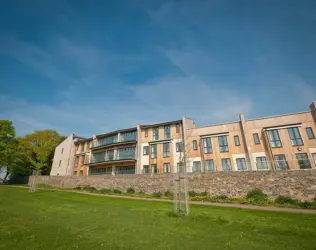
x=283, y=142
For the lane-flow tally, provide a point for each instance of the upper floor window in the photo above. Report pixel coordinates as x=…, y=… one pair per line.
x=226, y=164
x=155, y=133
x=310, y=133
x=82, y=147
x=207, y=145
x=195, y=145
x=178, y=146
x=145, y=150
x=166, y=149
x=146, y=132
x=223, y=144
x=62, y=150
x=88, y=146
x=274, y=138
x=167, y=132
x=154, y=151
x=82, y=159
x=59, y=163
x=236, y=139
x=178, y=128
x=256, y=138
x=295, y=136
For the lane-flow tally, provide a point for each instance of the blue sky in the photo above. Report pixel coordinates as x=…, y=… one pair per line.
x=95, y=66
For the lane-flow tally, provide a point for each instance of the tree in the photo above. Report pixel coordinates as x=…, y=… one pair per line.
x=38, y=148
x=8, y=145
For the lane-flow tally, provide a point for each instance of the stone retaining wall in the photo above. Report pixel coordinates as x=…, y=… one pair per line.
x=299, y=184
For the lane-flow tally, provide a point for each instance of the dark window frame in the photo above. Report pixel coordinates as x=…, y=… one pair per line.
x=223, y=148
x=274, y=138
x=195, y=146
x=208, y=149
x=283, y=161
x=236, y=140
x=167, y=132
x=146, y=152
x=310, y=134
x=294, y=139
x=166, y=153
x=178, y=128
x=146, y=132
x=256, y=138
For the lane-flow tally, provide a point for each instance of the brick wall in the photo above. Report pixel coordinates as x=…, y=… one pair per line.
x=300, y=184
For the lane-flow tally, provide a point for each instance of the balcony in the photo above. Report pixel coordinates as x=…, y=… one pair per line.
x=116, y=139
x=108, y=157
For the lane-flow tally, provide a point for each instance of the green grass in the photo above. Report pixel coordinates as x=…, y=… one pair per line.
x=59, y=220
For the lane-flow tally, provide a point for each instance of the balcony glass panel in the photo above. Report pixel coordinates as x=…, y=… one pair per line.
x=100, y=171
x=126, y=153
x=98, y=157
x=105, y=141
x=129, y=136
x=125, y=170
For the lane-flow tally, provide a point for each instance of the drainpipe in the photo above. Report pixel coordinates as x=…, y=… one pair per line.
x=244, y=132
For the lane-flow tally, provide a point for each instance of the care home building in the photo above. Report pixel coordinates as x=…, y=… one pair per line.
x=283, y=142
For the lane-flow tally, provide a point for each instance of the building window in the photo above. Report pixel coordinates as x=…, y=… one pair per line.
x=88, y=146
x=154, y=151
x=209, y=165
x=167, y=132
x=82, y=160
x=75, y=173
x=166, y=167
x=155, y=133
x=178, y=146
x=62, y=150
x=194, y=145
x=223, y=144
x=196, y=166
x=178, y=128
x=310, y=133
x=166, y=149
x=274, y=138
x=180, y=167
x=207, y=145
x=226, y=164
x=295, y=136
x=314, y=158
x=59, y=164
x=146, y=132
x=256, y=138
x=303, y=161
x=236, y=139
x=82, y=147
x=81, y=173
x=154, y=168
x=110, y=154
x=145, y=150
x=76, y=161
x=281, y=162
x=146, y=169
x=241, y=164
x=262, y=163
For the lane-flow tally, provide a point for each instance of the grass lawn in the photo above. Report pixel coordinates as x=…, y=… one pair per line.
x=60, y=220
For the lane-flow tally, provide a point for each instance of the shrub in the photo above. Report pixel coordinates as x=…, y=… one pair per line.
x=157, y=194
x=168, y=194
x=257, y=195
x=204, y=194
x=306, y=204
x=116, y=191
x=130, y=190
x=285, y=200
x=106, y=191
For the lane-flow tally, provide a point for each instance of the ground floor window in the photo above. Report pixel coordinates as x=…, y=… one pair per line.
x=226, y=164
x=209, y=165
x=281, y=162
x=100, y=171
x=146, y=169
x=154, y=168
x=314, y=158
x=81, y=172
x=166, y=167
x=262, y=163
x=125, y=170
x=196, y=166
x=303, y=161
x=241, y=164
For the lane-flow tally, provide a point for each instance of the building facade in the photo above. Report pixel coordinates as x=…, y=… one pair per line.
x=284, y=142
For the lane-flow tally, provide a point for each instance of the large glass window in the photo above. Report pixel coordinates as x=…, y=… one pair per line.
x=98, y=157
x=125, y=170
x=178, y=146
x=154, y=168
x=310, y=133
x=274, y=138
x=207, y=145
x=166, y=149
x=303, y=161
x=256, y=138
x=196, y=166
x=209, y=165
x=167, y=132
x=145, y=150
x=154, y=151
x=226, y=164
x=110, y=155
x=100, y=171
x=223, y=144
x=108, y=140
x=126, y=153
x=195, y=145
x=281, y=162
x=241, y=164
x=295, y=136
x=262, y=163
x=155, y=133
x=128, y=136
x=236, y=139
x=166, y=167
x=146, y=169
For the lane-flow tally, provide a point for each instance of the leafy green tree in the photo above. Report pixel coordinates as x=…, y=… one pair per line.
x=38, y=148
x=8, y=146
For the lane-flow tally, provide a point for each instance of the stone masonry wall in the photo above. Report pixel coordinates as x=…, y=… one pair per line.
x=299, y=184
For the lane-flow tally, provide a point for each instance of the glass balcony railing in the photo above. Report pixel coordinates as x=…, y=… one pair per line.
x=122, y=154
x=105, y=141
x=124, y=137
x=126, y=155
x=130, y=136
